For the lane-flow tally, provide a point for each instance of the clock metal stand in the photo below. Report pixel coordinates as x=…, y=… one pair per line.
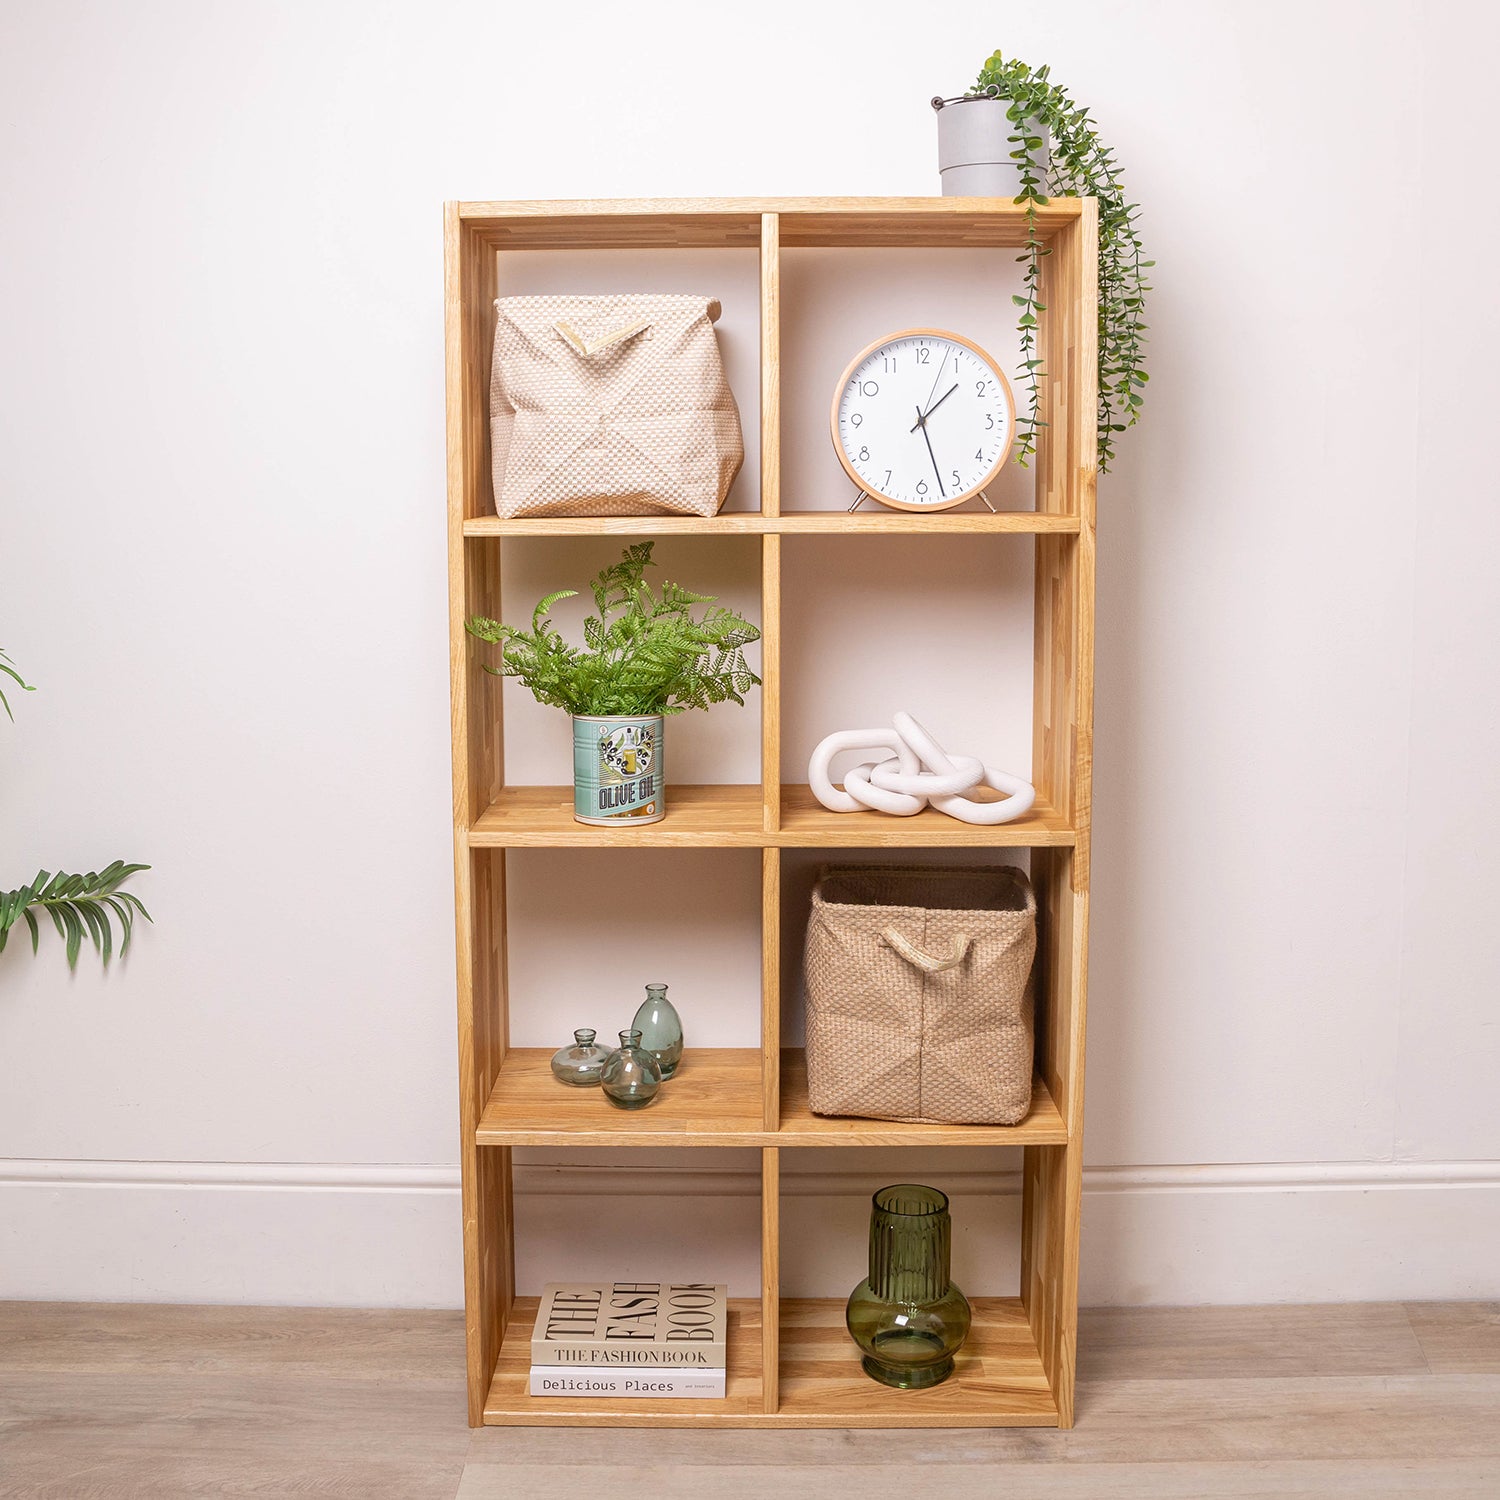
x=863, y=495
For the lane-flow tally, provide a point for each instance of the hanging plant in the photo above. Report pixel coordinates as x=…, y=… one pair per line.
x=1078, y=165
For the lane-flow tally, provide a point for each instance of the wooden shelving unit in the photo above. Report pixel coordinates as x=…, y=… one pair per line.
x=791, y=1362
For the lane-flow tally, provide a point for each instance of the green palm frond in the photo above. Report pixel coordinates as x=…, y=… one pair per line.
x=7, y=670
x=81, y=906
x=644, y=653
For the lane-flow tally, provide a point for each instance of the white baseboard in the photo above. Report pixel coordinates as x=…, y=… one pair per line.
x=339, y=1235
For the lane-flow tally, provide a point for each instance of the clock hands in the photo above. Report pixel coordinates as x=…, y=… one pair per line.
x=922, y=423
x=922, y=416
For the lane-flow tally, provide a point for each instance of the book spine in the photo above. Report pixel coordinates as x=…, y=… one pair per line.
x=638, y=1357
x=565, y=1380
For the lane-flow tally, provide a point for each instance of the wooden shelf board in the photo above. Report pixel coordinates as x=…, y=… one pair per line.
x=806, y=823
x=713, y=1100
x=542, y=817
x=998, y=1379
x=729, y=817
x=797, y=523
x=1043, y=1125
x=735, y=223
x=510, y=1404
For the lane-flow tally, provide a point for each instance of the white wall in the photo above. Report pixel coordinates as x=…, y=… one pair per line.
x=222, y=558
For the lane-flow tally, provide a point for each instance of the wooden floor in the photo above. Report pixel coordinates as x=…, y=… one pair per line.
x=1351, y=1401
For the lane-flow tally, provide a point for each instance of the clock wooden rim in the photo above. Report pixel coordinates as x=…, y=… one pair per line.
x=906, y=333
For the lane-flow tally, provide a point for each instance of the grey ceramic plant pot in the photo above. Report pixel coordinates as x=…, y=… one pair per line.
x=974, y=149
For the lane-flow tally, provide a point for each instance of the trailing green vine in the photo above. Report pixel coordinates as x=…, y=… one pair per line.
x=1080, y=165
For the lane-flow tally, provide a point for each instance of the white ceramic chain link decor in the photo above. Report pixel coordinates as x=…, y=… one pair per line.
x=920, y=774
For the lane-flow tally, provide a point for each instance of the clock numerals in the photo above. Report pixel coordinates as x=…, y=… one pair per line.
x=901, y=423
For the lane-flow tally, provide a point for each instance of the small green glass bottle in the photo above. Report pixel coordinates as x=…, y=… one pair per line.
x=661, y=1029
x=908, y=1316
x=630, y=1079
x=581, y=1064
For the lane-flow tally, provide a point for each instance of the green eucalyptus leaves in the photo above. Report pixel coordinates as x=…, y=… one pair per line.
x=1080, y=165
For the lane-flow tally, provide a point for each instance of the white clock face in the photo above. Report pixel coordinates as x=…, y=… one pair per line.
x=923, y=420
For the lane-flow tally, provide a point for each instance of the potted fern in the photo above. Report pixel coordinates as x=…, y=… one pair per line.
x=644, y=656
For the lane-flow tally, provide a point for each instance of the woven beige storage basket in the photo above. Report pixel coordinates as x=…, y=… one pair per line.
x=919, y=994
x=610, y=406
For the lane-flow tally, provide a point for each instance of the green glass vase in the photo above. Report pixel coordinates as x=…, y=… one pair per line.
x=661, y=1029
x=908, y=1316
x=630, y=1079
x=580, y=1065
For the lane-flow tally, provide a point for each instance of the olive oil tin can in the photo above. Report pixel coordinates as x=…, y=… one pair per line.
x=619, y=770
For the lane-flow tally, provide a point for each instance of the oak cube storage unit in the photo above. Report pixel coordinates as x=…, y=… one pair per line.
x=790, y=1362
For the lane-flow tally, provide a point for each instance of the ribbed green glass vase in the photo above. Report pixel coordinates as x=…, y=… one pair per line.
x=908, y=1316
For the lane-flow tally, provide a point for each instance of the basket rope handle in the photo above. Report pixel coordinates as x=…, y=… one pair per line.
x=927, y=962
x=583, y=346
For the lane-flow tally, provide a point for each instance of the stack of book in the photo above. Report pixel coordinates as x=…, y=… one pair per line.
x=629, y=1338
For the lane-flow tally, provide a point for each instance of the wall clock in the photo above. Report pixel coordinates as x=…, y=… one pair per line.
x=922, y=420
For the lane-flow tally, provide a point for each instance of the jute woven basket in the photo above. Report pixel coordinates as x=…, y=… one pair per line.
x=919, y=994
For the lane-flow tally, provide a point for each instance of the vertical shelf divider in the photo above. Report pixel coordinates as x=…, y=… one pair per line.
x=770, y=1278
x=770, y=682
x=478, y=770
x=770, y=364
x=770, y=988
x=770, y=505
x=1052, y=1176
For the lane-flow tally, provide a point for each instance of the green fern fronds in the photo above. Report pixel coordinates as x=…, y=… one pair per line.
x=80, y=906
x=9, y=671
x=644, y=653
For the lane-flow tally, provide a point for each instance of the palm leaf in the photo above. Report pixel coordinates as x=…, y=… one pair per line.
x=82, y=907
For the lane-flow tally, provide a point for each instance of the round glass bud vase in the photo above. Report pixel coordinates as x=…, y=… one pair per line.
x=661, y=1029
x=582, y=1064
x=630, y=1078
x=908, y=1316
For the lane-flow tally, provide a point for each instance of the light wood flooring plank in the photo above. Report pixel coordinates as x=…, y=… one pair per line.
x=1213, y=1343
x=1458, y=1338
x=329, y=1343
x=1393, y=1417
x=114, y=1435
x=1473, y=1480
